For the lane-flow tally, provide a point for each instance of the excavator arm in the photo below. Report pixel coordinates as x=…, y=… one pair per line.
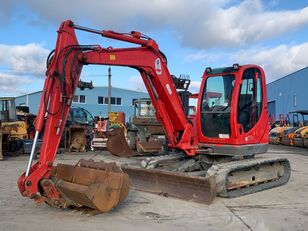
x=64, y=66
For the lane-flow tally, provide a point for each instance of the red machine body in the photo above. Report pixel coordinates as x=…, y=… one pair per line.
x=62, y=77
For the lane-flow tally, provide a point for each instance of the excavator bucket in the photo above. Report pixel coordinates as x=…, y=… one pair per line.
x=117, y=144
x=96, y=185
x=179, y=185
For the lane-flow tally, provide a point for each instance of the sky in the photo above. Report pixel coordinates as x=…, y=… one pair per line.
x=194, y=34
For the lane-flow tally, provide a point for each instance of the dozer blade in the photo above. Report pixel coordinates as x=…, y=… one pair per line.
x=179, y=185
x=117, y=144
x=100, y=189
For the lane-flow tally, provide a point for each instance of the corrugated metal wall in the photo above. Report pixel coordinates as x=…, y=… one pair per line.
x=290, y=93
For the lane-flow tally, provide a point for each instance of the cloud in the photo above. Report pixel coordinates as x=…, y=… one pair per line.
x=197, y=56
x=20, y=66
x=136, y=83
x=277, y=61
x=194, y=86
x=197, y=24
x=26, y=59
x=243, y=24
x=12, y=84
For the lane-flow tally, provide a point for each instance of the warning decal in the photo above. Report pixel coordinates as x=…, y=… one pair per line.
x=158, y=69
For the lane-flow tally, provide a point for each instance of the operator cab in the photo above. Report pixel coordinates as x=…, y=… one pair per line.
x=79, y=116
x=7, y=109
x=233, y=92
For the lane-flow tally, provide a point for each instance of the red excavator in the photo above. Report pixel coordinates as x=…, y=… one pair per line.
x=214, y=152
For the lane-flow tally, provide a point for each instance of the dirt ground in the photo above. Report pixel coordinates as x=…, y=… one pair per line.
x=283, y=208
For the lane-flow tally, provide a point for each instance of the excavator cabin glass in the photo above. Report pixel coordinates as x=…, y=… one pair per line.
x=216, y=104
x=250, y=99
x=7, y=110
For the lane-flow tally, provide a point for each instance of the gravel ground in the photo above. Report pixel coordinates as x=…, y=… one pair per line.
x=282, y=208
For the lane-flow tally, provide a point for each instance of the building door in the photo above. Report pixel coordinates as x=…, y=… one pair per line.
x=272, y=110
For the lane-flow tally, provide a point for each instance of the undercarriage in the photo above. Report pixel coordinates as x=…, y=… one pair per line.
x=202, y=177
x=231, y=177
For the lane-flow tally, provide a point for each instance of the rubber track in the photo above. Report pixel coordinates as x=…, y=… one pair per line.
x=221, y=171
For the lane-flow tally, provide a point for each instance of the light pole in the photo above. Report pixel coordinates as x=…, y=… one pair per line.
x=109, y=89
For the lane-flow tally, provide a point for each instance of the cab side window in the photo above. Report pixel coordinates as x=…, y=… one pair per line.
x=250, y=99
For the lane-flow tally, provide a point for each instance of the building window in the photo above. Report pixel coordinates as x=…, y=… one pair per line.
x=79, y=99
x=75, y=99
x=100, y=100
x=82, y=99
x=114, y=100
x=294, y=100
x=119, y=101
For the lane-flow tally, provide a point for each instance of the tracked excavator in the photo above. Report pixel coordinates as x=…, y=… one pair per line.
x=213, y=152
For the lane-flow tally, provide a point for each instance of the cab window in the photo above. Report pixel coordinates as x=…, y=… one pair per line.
x=215, y=106
x=250, y=99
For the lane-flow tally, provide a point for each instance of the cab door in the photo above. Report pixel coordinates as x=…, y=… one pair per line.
x=252, y=118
